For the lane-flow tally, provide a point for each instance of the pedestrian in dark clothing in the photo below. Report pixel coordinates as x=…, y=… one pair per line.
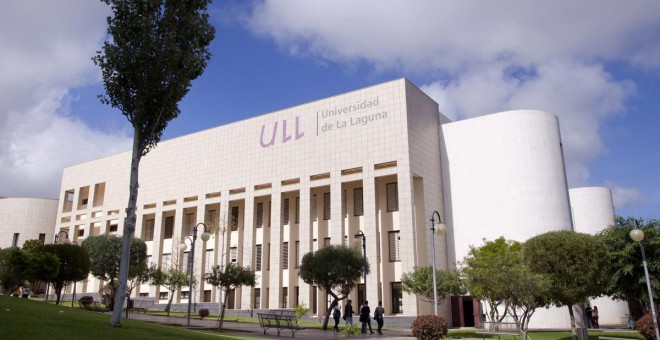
x=336, y=313
x=365, y=317
x=348, y=313
x=589, y=312
x=378, y=315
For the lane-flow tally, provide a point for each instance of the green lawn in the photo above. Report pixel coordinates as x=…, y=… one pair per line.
x=33, y=319
x=593, y=335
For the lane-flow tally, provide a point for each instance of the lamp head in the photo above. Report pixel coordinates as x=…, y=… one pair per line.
x=183, y=246
x=637, y=235
x=205, y=236
x=440, y=228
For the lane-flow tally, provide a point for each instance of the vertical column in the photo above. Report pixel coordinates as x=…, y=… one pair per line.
x=407, y=234
x=305, y=238
x=246, y=248
x=275, y=256
x=157, y=245
x=200, y=252
x=370, y=229
x=180, y=237
x=223, y=232
x=336, y=225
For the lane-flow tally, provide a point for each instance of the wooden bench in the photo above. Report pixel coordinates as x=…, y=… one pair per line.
x=280, y=320
x=141, y=305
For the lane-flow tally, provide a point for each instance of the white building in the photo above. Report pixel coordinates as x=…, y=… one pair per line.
x=23, y=219
x=380, y=160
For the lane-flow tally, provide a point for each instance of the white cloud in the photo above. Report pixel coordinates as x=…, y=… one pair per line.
x=483, y=57
x=46, y=51
x=625, y=197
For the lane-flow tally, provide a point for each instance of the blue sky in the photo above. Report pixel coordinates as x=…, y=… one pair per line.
x=595, y=64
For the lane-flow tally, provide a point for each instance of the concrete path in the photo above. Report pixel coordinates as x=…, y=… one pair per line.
x=255, y=331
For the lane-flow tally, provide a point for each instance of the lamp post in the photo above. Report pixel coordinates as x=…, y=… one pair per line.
x=73, y=296
x=440, y=230
x=364, y=252
x=205, y=237
x=637, y=235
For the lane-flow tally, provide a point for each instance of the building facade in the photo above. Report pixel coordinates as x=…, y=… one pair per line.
x=379, y=160
x=23, y=219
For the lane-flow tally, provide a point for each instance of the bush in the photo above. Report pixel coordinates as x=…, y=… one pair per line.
x=203, y=313
x=645, y=326
x=86, y=300
x=429, y=327
x=351, y=331
x=300, y=310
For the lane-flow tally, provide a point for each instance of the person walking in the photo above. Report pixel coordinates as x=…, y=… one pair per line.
x=336, y=313
x=365, y=317
x=594, y=318
x=25, y=292
x=378, y=315
x=589, y=312
x=348, y=313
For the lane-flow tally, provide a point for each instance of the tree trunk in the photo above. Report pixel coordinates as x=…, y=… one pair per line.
x=169, y=303
x=129, y=227
x=329, y=311
x=222, y=310
x=578, y=333
x=635, y=308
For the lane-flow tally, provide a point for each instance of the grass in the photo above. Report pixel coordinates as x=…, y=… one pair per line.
x=593, y=335
x=32, y=319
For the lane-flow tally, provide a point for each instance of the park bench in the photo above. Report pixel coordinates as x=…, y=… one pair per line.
x=140, y=305
x=280, y=320
x=500, y=329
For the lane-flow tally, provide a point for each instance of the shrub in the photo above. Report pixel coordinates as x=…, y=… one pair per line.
x=86, y=300
x=645, y=326
x=351, y=331
x=429, y=327
x=203, y=313
x=300, y=311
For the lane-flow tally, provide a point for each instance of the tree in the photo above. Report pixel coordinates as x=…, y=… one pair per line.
x=13, y=266
x=499, y=275
x=420, y=283
x=74, y=265
x=42, y=266
x=627, y=278
x=104, y=255
x=157, y=48
x=335, y=267
x=32, y=246
x=234, y=276
x=576, y=265
x=171, y=278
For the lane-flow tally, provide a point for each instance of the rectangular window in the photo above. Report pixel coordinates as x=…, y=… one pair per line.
x=344, y=203
x=42, y=238
x=326, y=206
x=81, y=232
x=14, y=242
x=362, y=294
x=268, y=258
x=190, y=224
x=257, y=298
x=187, y=259
x=285, y=297
x=392, y=197
x=184, y=294
x=113, y=228
x=326, y=242
x=358, y=207
x=397, y=298
x=269, y=210
x=297, y=295
x=314, y=300
x=207, y=296
x=209, y=261
x=257, y=264
x=394, y=242
x=285, y=255
x=165, y=264
x=169, y=227
x=234, y=218
x=162, y=295
x=314, y=208
x=260, y=215
x=297, y=254
x=144, y=294
x=149, y=229
x=297, y=210
x=285, y=211
x=233, y=254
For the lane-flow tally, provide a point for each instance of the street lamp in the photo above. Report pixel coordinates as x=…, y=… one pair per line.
x=66, y=237
x=205, y=237
x=440, y=230
x=637, y=235
x=73, y=297
x=364, y=252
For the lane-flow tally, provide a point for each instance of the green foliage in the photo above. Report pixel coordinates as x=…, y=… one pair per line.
x=13, y=267
x=42, y=266
x=32, y=246
x=301, y=310
x=233, y=276
x=645, y=326
x=576, y=264
x=335, y=268
x=105, y=256
x=351, y=331
x=420, y=282
x=429, y=327
x=172, y=278
x=627, y=279
x=74, y=265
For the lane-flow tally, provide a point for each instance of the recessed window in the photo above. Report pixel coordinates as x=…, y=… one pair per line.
x=397, y=298
x=162, y=295
x=285, y=211
x=234, y=218
x=260, y=215
x=169, y=227
x=149, y=229
x=285, y=255
x=394, y=243
x=257, y=264
x=392, y=197
x=233, y=254
x=358, y=207
x=326, y=206
x=297, y=210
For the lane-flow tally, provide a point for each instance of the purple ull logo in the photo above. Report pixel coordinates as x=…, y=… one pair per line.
x=285, y=134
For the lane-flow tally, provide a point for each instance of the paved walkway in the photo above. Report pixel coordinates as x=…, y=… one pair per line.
x=254, y=330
